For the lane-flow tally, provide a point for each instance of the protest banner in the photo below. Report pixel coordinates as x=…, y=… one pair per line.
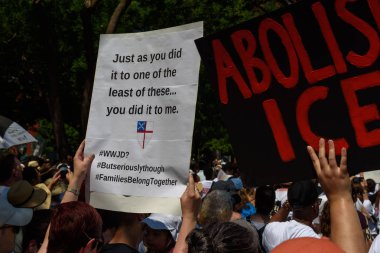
x=292, y=76
x=142, y=112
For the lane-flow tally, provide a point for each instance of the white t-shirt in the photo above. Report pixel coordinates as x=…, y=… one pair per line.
x=277, y=232
x=375, y=247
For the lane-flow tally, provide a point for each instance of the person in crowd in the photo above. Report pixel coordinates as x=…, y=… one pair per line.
x=303, y=200
x=375, y=246
x=74, y=215
x=325, y=221
x=160, y=233
x=335, y=182
x=216, y=207
x=11, y=219
x=223, y=237
x=307, y=244
x=247, y=208
x=75, y=227
x=372, y=190
x=31, y=175
x=127, y=231
x=10, y=169
x=264, y=201
x=33, y=233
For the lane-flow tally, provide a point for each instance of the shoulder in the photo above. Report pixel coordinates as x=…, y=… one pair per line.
x=297, y=229
x=375, y=247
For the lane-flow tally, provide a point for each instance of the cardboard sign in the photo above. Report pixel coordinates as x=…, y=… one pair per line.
x=142, y=113
x=288, y=78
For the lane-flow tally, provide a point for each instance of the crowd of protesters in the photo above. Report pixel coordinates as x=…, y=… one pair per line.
x=42, y=210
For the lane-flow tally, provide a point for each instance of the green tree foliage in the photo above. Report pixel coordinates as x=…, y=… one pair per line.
x=36, y=34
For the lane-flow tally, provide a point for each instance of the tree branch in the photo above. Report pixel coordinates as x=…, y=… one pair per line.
x=123, y=5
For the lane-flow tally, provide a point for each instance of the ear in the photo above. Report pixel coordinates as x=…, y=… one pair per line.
x=89, y=247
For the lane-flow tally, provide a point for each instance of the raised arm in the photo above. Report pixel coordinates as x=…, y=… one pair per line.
x=81, y=167
x=345, y=225
x=190, y=205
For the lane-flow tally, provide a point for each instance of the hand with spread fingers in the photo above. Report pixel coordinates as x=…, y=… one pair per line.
x=345, y=225
x=334, y=179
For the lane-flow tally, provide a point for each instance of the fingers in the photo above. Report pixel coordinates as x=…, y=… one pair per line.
x=80, y=150
x=191, y=185
x=322, y=154
x=343, y=160
x=90, y=158
x=314, y=158
x=332, y=159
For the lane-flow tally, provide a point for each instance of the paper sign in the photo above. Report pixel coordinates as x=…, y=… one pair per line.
x=290, y=77
x=142, y=112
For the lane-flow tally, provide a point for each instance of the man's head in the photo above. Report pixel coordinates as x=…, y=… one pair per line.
x=303, y=198
x=216, y=207
x=10, y=169
x=265, y=199
x=74, y=227
x=123, y=224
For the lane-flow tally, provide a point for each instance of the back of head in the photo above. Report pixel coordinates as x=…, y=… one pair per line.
x=216, y=207
x=307, y=244
x=225, y=237
x=302, y=194
x=371, y=185
x=36, y=229
x=72, y=226
x=30, y=174
x=7, y=164
x=265, y=199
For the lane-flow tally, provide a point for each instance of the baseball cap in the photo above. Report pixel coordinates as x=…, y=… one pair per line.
x=11, y=215
x=302, y=194
x=164, y=222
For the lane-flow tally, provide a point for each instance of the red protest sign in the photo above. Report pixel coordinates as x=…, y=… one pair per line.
x=286, y=79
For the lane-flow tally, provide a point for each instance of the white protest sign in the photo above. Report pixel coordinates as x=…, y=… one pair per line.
x=142, y=112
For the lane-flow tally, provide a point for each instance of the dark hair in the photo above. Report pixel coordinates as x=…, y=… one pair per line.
x=225, y=237
x=114, y=219
x=302, y=194
x=208, y=172
x=265, y=199
x=72, y=226
x=31, y=175
x=7, y=164
x=371, y=185
x=36, y=229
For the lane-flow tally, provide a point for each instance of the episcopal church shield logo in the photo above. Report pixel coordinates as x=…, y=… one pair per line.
x=144, y=132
